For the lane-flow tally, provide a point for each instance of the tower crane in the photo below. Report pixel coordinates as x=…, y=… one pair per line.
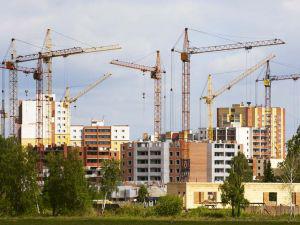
x=156, y=74
x=212, y=95
x=267, y=80
x=11, y=67
x=185, y=55
x=69, y=100
x=46, y=58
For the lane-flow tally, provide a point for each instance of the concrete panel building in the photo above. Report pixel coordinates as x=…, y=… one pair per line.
x=219, y=158
x=145, y=161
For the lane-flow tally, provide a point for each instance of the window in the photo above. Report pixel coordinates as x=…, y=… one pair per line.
x=177, y=153
x=273, y=196
x=219, y=154
x=142, y=170
x=177, y=162
x=129, y=162
x=129, y=154
x=155, y=170
x=129, y=170
x=171, y=162
x=171, y=153
x=212, y=196
x=177, y=178
x=142, y=161
x=171, y=170
x=155, y=161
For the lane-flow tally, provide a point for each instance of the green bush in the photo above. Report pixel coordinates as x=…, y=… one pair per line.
x=205, y=212
x=169, y=205
x=133, y=210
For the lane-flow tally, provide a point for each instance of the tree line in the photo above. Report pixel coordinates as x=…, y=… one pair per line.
x=64, y=190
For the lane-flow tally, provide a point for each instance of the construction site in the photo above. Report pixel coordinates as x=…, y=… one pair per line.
x=165, y=154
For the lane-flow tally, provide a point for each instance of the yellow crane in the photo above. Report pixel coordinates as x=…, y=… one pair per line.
x=209, y=98
x=67, y=101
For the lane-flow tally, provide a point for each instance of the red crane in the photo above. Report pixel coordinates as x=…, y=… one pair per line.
x=186, y=53
x=156, y=74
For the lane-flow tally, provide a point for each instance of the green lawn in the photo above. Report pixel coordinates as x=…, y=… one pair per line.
x=114, y=221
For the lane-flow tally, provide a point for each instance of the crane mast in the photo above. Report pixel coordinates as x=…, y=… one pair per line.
x=267, y=80
x=8, y=65
x=46, y=58
x=13, y=92
x=156, y=74
x=187, y=51
x=212, y=95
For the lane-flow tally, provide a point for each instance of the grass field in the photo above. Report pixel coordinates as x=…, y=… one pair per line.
x=121, y=221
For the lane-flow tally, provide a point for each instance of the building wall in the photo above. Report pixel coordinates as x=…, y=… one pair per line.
x=127, y=150
x=76, y=135
x=196, y=194
x=219, y=160
x=119, y=135
x=250, y=116
x=145, y=161
x=58, y=128
x=28, y=123
x=175, y=158
x=62, y=124
x=199, y=161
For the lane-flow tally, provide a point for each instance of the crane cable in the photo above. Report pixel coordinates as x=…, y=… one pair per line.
x=172, y=93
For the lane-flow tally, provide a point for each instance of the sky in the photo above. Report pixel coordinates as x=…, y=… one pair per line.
x=141, y=28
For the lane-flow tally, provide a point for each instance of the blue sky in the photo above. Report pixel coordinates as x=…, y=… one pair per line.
x=142, y=27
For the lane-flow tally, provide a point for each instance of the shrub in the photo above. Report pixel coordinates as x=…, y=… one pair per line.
x=205, y=212
x=169, y=205
x=133, y=210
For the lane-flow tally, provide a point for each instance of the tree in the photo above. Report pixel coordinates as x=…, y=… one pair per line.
x=110, y=177
x=19, y=191
x=54, y=184
x=169, y=205
x=290, y=167
x=143, y=194
x=232, y=190
x=268, y=172
x=66, y=189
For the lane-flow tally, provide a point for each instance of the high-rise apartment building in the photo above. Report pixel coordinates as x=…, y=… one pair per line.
x=56, y=122
x=255, y=116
